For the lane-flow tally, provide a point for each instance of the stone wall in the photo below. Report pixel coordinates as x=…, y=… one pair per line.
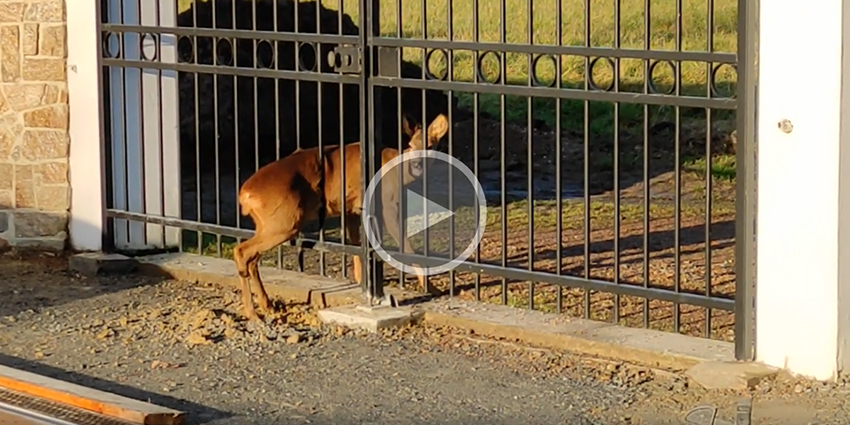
x=34, y=190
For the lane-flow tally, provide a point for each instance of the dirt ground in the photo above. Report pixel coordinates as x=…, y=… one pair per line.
x=186, y=346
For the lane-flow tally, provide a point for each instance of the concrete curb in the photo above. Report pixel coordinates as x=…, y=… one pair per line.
x=646, y=347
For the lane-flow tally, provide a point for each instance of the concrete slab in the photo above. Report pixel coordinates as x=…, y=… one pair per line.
x=94, y=263
x=371, y=319
x=318, y=291
x=656, y=349
x=730, y=375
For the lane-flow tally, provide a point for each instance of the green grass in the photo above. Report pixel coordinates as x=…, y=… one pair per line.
x=601, y=120
x=722, y=166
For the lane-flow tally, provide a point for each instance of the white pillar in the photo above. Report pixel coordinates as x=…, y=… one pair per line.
x=803, y=227
x=86, y=153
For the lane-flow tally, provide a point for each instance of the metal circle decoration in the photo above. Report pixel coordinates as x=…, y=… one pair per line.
x=149, y=53
x=429, y=74
x=307, y=55
x=535, y=79
x=265, y=55
x=479, y=68
x=592, y=82
x=712, y=81
x=111, y=45
x=650, y=77
x=223, y=51
x=186, y=49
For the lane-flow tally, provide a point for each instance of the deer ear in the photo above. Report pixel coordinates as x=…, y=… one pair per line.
x=438, y=128
x=405, y=126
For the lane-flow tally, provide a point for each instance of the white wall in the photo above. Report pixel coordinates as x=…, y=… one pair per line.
x=800, y=187
x=85, y=162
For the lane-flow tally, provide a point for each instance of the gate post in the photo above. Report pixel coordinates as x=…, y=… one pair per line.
x=371, y=144
x=86, y=154
x=803, y=236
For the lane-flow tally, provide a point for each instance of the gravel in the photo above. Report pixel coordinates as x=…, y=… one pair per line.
x=185, y=346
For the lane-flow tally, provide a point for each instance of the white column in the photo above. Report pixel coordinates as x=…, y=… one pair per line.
x=86, y=156
x=803, y=227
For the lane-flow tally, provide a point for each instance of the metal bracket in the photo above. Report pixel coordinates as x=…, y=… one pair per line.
x=387, y=301
x=346, y=59
x=388, y=62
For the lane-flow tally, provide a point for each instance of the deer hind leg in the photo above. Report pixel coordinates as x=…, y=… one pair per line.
x=247, y=256
x=352, y=231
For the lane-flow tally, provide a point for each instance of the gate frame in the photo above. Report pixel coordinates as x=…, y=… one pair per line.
x=88, y=220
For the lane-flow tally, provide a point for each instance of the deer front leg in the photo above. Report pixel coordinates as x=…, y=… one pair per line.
x=352, y=231
x=391, y=222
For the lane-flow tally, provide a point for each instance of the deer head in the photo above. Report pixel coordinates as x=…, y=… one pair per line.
x=421, y=140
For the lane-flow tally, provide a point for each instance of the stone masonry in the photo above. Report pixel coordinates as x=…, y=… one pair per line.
x=34, y=190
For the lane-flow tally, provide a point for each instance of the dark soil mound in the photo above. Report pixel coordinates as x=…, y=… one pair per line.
x=263, y=115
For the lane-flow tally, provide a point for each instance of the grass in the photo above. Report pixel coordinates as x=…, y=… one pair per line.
x=662, y=25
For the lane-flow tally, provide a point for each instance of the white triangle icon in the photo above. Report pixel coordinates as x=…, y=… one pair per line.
x=417, y=206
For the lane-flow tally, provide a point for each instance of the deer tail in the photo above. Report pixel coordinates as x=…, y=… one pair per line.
x=246, y=204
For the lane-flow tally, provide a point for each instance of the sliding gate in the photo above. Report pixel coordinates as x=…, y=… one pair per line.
x=613, y=140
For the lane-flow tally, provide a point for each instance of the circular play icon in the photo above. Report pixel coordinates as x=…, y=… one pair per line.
x=424, y=199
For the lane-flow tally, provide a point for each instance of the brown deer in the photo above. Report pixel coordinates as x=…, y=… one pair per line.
x=284, y=195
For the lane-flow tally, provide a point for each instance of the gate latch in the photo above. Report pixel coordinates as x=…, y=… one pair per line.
x=345, y=59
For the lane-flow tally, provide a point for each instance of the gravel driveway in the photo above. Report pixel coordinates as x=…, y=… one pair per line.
x=184, y=346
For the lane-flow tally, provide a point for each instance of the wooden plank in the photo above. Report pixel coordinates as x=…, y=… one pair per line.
x=88, y=399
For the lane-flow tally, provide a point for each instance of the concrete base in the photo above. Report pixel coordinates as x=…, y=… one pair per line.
x=656, y=349
x=730, y=375
x=371, y=319
x=95, y=263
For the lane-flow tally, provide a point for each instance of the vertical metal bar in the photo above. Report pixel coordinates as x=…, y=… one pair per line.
x=647, y=43
x=297, y=66
x=107, y=98
x=559, y=225
x=475, y=109
x=399, y=111
x=276, y=60
x=197, y=76
x=677, y=166
x=342, y=187
x=745, y=172
x=256, y=92
x=370, y=27
x=616, y=163
x=321, y=150
x=142, y=138
x=425, y=238
x=217, y=172
x=450, y=77
x=160, y=130
x=587, y=76
x=530, y=151
x=234, y=47
x=708, y=187
x=503, y=171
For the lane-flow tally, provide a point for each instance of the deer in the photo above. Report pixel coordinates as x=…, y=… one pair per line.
x=284, y=195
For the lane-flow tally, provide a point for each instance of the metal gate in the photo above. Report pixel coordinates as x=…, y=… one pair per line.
x=632, y=195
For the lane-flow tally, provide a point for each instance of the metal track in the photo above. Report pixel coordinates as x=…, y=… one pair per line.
x=21, y=409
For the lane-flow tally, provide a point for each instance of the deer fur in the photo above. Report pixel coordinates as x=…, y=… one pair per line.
x=284, y=195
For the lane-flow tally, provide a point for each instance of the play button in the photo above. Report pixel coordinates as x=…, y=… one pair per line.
x=443, y=212
x=432, y=213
